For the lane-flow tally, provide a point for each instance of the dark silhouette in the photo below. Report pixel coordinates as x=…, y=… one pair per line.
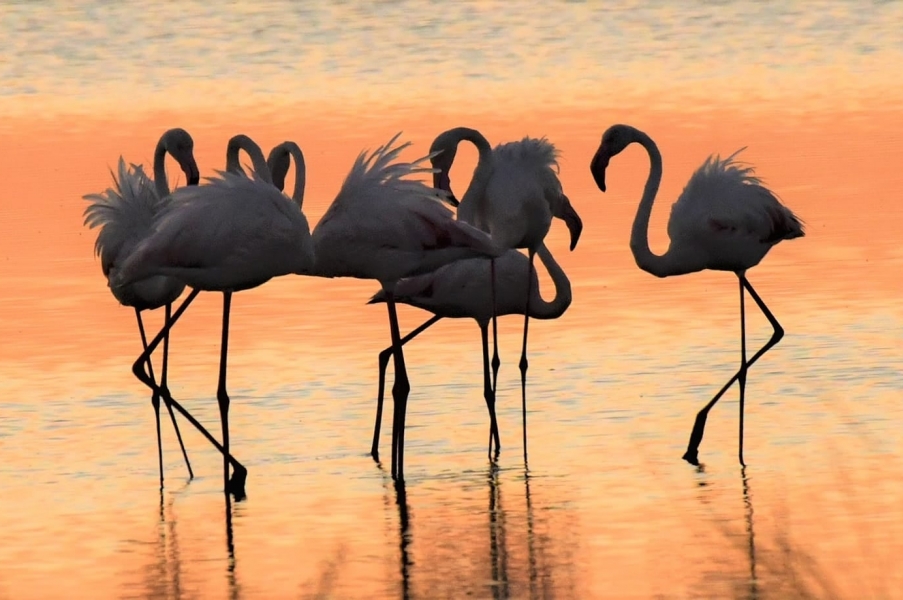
x=236, y=485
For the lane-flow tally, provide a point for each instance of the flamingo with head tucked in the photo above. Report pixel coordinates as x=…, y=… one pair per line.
x=462, y=290
x=233, y=234
x=513, y=195
x=125, y=215
x=384, y=227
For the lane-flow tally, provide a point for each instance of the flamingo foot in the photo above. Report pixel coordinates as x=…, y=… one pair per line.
x=692, y=457
x=236, y=485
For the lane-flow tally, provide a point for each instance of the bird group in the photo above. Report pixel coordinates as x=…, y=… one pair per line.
x=239, y=230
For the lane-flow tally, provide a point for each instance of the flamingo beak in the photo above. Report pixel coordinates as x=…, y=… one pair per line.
x=573, y=221
x=190, y=168
x=441, y=181
x=598, y=165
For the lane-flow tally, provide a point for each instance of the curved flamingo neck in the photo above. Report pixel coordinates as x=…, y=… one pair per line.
x=539, y=308
x=243, y=142
x=160, y=181
x=300, y=173
x=473, y=201
x=660, y=266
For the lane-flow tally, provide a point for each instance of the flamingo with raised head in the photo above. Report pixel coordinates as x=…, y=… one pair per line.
x=462, y=290
x=232, y=234
x=381, y=226
x=724, y=220
x=125, y=215
x=513, y=195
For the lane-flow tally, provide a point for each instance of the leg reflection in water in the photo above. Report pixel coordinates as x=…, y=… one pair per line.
x=401, y=500
x=751, y=545
x=498, y=549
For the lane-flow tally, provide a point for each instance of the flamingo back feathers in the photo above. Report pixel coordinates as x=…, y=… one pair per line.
x=124, y=213
x=379, y=214
x=232, y=233
x=724, y=196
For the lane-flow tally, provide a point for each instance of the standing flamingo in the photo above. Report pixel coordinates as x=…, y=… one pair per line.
x=235, y=145
x=381, y=226
x=125, y=215
x=461, y=290
x=513, y=195
x=724, y=220
x=230, y=235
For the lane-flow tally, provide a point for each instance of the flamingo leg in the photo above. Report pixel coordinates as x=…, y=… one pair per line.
x=155, y=397
x=489, y=394
x=400, y=389
x=741, y=378
x=222, y=396
x=166, y=396
x=523, y=356
x=383, y=365
x=495, y=330
x=240, y=472
x=692, y=453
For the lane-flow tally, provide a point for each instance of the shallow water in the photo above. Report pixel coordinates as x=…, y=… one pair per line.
x=607, y=508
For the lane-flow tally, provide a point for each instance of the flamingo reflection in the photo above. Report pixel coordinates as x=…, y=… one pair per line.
x=498, y=549
x=404, y=526
x=751, y=538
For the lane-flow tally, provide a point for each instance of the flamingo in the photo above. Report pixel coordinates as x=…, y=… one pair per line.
x=381, y=226
x=125, y=215
x=460, y=290
x=233, y=234
x=724, y=220
x=235, y=145
x=513, y=195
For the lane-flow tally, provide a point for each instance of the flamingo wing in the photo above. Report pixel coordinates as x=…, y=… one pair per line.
x=726, y=198
x=231, y=228
x=124, y=213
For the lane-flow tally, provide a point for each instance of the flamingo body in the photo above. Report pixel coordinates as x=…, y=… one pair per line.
x=383, y=227
x=233, y=234
x=726, y=220
x=125, y=215
x=461, y=289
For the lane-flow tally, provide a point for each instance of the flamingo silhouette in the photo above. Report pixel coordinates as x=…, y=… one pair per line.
x=383, y=227
x=462, y=290
x=724, y=220
x=125, y=215
x=513, y=195
x=233, y=234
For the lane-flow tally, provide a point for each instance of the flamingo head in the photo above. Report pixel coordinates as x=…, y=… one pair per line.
x=442, y=156
x=442, y=162
x=179, y=144
x=279, y=162
x=614, y=140
x=566, y=213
